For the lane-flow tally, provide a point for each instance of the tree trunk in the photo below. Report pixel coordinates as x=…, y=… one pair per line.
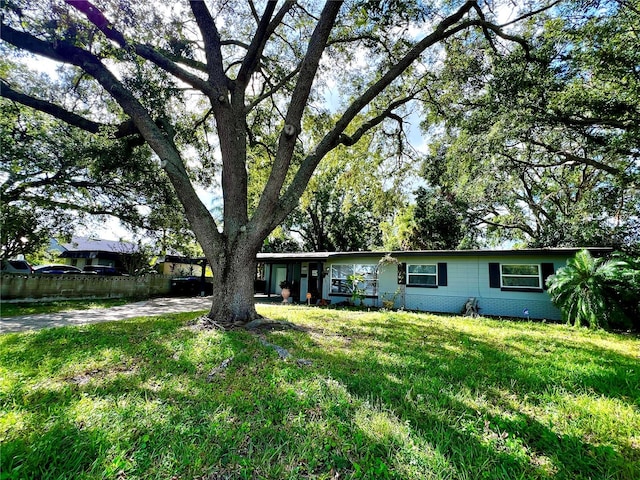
x=233, y=302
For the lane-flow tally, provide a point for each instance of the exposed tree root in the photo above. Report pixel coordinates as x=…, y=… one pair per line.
x=283, y=353
x=219, y=369
x=269, y=325
x=255, y=327
x=205, y=323
x=259, y=324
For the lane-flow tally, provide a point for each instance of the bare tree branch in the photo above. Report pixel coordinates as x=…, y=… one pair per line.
x=570, y=157
x=349, y=140
x=189, y=62
x=273, y=90
x=256, y=47
x=531, y=13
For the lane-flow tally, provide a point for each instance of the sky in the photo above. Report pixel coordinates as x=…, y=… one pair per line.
x=111, y=228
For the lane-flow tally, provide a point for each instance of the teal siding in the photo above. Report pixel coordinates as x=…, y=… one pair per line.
x=467, y=276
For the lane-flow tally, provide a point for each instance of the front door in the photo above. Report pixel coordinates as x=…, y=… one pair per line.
x=281, y=276
x=315, y=279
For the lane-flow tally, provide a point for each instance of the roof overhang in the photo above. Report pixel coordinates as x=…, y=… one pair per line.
x=325, y=256
x=293, y=257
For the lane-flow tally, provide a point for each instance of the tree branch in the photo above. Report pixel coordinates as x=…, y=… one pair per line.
x=97, y=18
x=212, y=46
x=92, y=210
x=275, y=88
x=522, y=227
x=286, y=144
x=149, y=53
x=531, y=13
x=349, y=140
x=582, y=121
x=189, y=62
x=266, y=28
x=122, y=130
x=256, y=47
x=570, y=157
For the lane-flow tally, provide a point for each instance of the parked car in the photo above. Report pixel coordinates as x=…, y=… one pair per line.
x=101, y=270
x=16, y=266
x=57, y=269
x=190, y=287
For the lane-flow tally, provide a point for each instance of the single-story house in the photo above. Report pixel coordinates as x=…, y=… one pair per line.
x=84, y=251
x=508, y=283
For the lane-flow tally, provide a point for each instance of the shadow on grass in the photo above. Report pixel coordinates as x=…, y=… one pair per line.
x=398, y=399
x=470, y=398
x=125, y=376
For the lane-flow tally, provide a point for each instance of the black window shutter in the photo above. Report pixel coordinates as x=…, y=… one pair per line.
x=402, y=273
x=494, y=275
x=548, y=269
x=442, y=274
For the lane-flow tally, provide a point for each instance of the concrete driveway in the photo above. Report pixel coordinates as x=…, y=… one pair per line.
x=146, y=308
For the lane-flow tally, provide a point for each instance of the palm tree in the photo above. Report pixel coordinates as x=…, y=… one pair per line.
x=584, y=289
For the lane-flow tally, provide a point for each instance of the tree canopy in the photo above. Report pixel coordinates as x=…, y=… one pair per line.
x=543, y=145
x=351, y=194
x=434, y=222
x=59, y=177
x=212, y=86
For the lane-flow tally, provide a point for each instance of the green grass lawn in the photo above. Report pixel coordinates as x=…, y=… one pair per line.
x=33, y=308
x=378, y=395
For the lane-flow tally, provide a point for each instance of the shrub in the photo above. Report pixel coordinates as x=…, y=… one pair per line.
x=594, y=292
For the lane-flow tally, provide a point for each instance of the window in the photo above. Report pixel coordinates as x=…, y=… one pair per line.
x=342, y=276
x=422, y=275
x=520, y=276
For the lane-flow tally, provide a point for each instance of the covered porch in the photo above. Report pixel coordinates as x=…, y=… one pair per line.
x=304, y=271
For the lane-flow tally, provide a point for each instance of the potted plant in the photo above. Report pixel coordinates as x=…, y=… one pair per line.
x=285, y=285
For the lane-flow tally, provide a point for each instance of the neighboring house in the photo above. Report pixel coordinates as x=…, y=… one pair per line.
x=85, y=251
x=508, y=283
x=180, y=266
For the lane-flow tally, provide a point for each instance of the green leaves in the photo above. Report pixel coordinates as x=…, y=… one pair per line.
x=438, y=222
x=56, y=174
x=351, y=194
x=587, y=290
x=21, y=233
x=544, y=151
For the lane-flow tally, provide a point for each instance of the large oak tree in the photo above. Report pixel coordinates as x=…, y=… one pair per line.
x=208, y=85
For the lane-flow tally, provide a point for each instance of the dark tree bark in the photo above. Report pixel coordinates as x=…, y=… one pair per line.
x=232, y=301
x=231, y=248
